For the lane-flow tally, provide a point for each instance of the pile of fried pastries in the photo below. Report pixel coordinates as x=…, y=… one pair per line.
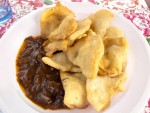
x=90, y=54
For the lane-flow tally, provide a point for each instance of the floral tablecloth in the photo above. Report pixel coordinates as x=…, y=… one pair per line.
x=134, y=10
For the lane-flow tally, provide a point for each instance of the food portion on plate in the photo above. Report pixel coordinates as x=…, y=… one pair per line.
x=76, y=63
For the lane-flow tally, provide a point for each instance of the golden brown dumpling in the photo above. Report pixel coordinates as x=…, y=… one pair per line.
x=61, y=62
x=82, y=27
x=114, y=32
x=66, y=28
x=75, y=90
x=101, y=21
x=114, y=60
x=52, y=47
x=101, y=89
x=52, y=17
x=87, y=53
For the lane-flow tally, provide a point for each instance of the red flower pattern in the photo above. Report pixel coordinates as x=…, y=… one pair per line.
x=92, y=1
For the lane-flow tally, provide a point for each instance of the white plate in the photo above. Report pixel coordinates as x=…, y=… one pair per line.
x=132, y=100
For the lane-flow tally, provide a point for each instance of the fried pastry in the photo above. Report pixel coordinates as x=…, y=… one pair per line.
x=66, y=28
x=75, y=90
x=101, y=21
x=52, y=17
x=114, y=60
x=114, y=32
x=87, y=53
x=101, y=89
x=82, y=27
x=90, y=55
x=51, y=47
x=61, y=62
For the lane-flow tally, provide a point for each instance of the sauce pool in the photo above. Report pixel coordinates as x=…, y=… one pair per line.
x=40, y=82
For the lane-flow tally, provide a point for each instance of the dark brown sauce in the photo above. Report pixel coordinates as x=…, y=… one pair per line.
x=40, y=82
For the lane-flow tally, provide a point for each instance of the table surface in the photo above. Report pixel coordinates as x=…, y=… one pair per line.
x=135, y=10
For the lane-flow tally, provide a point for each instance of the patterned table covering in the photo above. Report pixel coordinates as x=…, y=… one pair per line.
x=134, y=10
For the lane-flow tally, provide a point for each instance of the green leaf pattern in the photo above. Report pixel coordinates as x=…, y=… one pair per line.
x=48, y=2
